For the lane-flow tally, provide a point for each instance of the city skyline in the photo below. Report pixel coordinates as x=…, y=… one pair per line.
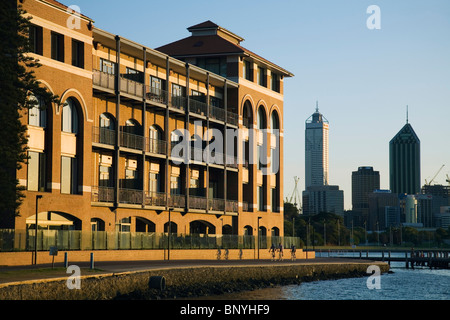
x=362, y=78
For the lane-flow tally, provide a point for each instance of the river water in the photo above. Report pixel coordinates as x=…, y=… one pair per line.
x=420, y=283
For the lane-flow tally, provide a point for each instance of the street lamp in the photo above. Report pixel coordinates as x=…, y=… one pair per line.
x=36, y=228
x=169, y=230
x=257, y=235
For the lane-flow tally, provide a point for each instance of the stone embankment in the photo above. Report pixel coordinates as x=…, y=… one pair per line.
x=182, y=282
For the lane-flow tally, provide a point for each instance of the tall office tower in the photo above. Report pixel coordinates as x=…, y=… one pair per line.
x=319, y=196
x=404, y=161
x=364, y=181
x=316, y=150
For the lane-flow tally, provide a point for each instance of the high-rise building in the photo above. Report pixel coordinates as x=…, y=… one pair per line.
x=319, y=196
x=364, y=181
x=317, y=199
x=404, y=161
x=316, y=150
x=384, y=209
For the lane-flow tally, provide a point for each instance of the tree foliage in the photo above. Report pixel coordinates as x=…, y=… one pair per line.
x=17, y=84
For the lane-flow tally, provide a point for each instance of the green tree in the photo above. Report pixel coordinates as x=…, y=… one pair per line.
x=17, y=84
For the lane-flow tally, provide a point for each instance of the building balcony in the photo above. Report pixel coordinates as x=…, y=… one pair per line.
x=198, y=107
x=153, y=198
x=102, y=194
x=132, y=141
x=103, y=136
x=177, y=201
x=103, y=79
x=156, y=146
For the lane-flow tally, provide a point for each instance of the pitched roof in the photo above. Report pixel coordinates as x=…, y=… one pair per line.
x=212, y=44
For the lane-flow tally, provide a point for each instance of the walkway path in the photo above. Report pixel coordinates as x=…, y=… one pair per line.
x=45, y=271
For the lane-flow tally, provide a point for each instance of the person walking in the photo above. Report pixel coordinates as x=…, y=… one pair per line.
x=272, y=251
x=280, y=252
x=293, y=250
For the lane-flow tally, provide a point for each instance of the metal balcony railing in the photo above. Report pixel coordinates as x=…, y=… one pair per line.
x=102, y=194
x=103, y=79
x=232, y=206
x=177, y=201
x=198, y=107
x=216, y=204
x=104, y=136
x=156, y=146
x=216, y=113
x=156, y=95
x=153, y=198
x=178, y=102
x=196, y=202
x=130, y=196
x=132, y=141
x=131, y=87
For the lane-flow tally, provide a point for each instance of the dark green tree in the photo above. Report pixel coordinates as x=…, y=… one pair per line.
x=17, y=84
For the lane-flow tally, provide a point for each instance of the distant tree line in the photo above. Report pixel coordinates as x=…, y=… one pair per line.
x=328, y=229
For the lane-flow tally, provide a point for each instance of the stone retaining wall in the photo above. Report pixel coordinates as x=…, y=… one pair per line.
x=182, y=282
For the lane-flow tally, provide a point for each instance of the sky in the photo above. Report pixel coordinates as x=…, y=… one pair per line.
x=362, y=78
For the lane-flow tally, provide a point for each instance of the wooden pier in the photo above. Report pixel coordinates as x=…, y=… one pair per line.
x=433, y=258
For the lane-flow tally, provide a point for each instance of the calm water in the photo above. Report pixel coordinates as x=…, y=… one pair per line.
x=402, y=284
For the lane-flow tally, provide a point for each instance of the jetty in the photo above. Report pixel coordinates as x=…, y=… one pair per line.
x=431, y=258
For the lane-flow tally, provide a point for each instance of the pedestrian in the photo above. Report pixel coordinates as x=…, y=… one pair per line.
x=280, y=252
x=293, y=257
x=272, y=251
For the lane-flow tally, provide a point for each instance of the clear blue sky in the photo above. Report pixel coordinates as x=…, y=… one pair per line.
x=363, y=79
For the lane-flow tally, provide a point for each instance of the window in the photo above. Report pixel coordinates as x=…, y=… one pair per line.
x=77, y=53
x=216, y=65
x=262, y=77
x=275, y=82
x=275, y=200
x=157, y=85
x=175, y=187
x=154, y=182
x=135, y=75
x=37, y=115
x=260, y=198
x=107, y=66
x=69, y=181
x=105, y=176
x=36, y=171
x=35, y=36
x=57, y=46
x=248, y=72
x=70, y=117
x=198, y=96
x=215, y=102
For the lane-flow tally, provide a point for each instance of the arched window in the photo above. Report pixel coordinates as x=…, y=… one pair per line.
x=37, y=115
x=107, y=129
x=155, y=140
x=71, y=170
x=107, y=121
x=38, y=145
x=275, y=121
x=261, y=118
x=70, y=116
x=247, y=114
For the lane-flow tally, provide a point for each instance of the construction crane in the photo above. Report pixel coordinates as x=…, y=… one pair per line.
x=295, y=194
x=448, y=180
x=429, y=183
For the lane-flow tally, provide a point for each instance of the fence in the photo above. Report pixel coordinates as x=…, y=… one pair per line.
x=24, y=240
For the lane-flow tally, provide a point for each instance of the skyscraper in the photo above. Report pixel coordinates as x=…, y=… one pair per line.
x=364, y=181
x=319, y=196
x=404, y=161
x=316, y=150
